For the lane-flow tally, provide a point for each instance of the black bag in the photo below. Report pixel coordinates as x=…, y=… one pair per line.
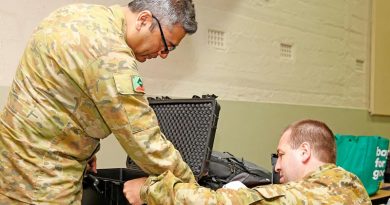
x=225, y=167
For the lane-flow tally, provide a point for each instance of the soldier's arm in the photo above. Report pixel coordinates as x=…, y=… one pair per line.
x=167, y=189
x=110, y=83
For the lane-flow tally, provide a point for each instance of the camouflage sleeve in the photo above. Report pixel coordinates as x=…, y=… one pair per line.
x=167, y=189
x=112, y=82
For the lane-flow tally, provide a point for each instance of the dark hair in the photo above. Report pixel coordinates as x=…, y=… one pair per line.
x=318, y=135
x=169, y=12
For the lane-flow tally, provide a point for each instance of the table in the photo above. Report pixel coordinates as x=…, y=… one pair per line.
x=382, y=196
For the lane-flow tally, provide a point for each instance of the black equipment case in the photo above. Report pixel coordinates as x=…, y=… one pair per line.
x=106, y=187
x=190, y=124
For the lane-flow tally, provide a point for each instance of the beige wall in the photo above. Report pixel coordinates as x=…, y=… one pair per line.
x=327, y=39
x=3, y=95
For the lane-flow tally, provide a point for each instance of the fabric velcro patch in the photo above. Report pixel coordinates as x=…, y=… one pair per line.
x=138, y=85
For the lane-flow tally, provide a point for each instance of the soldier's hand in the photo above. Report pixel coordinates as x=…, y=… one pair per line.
x=132, y=188
x=91, y=164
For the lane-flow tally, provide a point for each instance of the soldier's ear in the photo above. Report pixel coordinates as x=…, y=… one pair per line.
x=144, y=19
x=305, y=151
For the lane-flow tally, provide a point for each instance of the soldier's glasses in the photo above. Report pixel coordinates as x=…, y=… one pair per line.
x=166, y=48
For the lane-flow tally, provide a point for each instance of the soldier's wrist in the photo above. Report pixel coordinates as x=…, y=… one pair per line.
x=144, y=190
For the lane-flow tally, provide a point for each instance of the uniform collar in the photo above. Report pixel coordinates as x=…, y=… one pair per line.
x=320, y=170
x=119, y=17
x=120, y=21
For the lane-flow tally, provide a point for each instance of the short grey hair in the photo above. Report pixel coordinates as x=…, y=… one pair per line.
x=169, y=12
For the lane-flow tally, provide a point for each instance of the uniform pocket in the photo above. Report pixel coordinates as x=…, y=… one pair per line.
x=270, y=192
x=74, y=143
x=128, y=84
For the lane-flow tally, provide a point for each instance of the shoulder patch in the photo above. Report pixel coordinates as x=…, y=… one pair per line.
x=138, y=85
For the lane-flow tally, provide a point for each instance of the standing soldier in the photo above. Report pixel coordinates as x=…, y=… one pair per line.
x=77, y=83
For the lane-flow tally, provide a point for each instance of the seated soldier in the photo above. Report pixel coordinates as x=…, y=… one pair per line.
x=306, y=164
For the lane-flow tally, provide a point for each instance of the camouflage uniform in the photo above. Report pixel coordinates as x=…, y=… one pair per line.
x=326, y=185
x=76, y=83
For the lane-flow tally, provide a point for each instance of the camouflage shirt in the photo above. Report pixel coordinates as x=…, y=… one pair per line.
x=76, y=83
x=326, y=185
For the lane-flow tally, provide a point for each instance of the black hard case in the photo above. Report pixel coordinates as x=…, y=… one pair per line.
x=106, y=187
x=190, y=124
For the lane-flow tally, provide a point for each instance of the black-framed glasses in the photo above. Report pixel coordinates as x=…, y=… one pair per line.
x=166, y=48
